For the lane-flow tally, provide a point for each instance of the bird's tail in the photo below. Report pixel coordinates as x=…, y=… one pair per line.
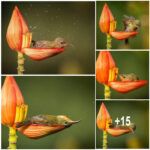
x=33, y=42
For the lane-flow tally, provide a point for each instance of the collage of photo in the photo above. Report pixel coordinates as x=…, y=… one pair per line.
x=75, y=75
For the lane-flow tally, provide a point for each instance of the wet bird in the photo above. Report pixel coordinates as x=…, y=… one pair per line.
x=128, y=77
x=57, y=43
x=43, y=125
x=130, y=24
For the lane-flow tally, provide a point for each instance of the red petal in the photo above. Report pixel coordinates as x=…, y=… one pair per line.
x=102, y=67
x=35, y=131
x=127, y=86
x=122, y=35
x=42, y=53
x=111, y=61
x=8, y=102
x=118, y=132
x=16, y=28
x=102, y=117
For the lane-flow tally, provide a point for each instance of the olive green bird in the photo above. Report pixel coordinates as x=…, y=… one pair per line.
x=128, y=77
x=57, y=43
x=43, y=125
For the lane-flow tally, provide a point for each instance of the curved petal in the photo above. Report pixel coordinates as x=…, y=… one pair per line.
x=42, y=53
x=8, y=102
x=122, y=35
x=104, y=22
x=118, y=132
x=102, y=117
x=127, y=86
x=35, y=131
x=16, y=28
x=111, y=61
x=102, y=67
x=19, y=96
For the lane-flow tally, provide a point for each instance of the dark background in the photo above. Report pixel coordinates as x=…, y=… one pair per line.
x=129, y=62
x=70, y=96
x=139, y=113
x=139, y=10
x=73, y=21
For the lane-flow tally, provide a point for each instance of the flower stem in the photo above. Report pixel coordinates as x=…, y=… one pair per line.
x=107, y=92
x=104, y=139
x=12, y=138
x=108, y=42
x=20, y=63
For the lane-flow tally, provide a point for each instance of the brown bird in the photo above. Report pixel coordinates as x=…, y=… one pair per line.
x=130, y=24
x=57, y=43
x=128, y=77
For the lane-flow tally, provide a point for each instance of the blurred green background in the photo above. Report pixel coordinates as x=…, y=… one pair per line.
x=70, y=96
x=139, y=10
x=129, y=62
x=139, y=113
x=73, y=21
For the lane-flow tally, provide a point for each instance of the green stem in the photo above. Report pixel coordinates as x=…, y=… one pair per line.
x=107, y=92
x=12, y=138
x=108, y=42
x=104, y=139
x=20, y=63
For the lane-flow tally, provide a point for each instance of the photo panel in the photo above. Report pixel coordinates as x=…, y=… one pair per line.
x=122, y=24
x=58, y=104
x=122, y=74
x=127, y=124
x=47, y=29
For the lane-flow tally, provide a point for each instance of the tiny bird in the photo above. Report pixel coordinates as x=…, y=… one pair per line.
x=132, y=126
x=130, y=24
x=43, y=125
x=128, y=77
x=57, y=43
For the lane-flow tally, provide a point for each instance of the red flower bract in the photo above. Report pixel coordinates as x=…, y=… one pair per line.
x=102, y=117
x=105, y=68
x=127, y=86
x=10, y=98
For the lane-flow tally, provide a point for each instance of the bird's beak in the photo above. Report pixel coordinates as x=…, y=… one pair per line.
x=67, y=44
x=74, y=122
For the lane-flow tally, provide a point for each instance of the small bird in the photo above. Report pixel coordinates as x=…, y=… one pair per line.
x=43, y=125
x=131, y=127
x=130, y=24
x=128, y=77
x=57, y=43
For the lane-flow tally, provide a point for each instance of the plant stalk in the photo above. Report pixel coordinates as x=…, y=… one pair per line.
x=104, y=139
x=12, y=138
x=107, y=92
x=108, y=42
x=20, y=63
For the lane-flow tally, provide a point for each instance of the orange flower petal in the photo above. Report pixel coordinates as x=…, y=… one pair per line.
x=118, y=132
x=8, y=102
x=105, y=19
x=42, y=53
x=122, y=35
x=127, y=86
x=16, y=28
x=35, y=131
x=104, y=64
x=102, y=117
x=102, y=67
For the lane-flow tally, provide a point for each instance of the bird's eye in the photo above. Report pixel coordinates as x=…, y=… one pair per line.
x=62, y=42
x=66, y=122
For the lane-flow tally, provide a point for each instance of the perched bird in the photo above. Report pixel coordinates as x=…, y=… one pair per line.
x=130, y=24
x=57, y=43
x=128, y=77
x=43, y=125
x=132, y=126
